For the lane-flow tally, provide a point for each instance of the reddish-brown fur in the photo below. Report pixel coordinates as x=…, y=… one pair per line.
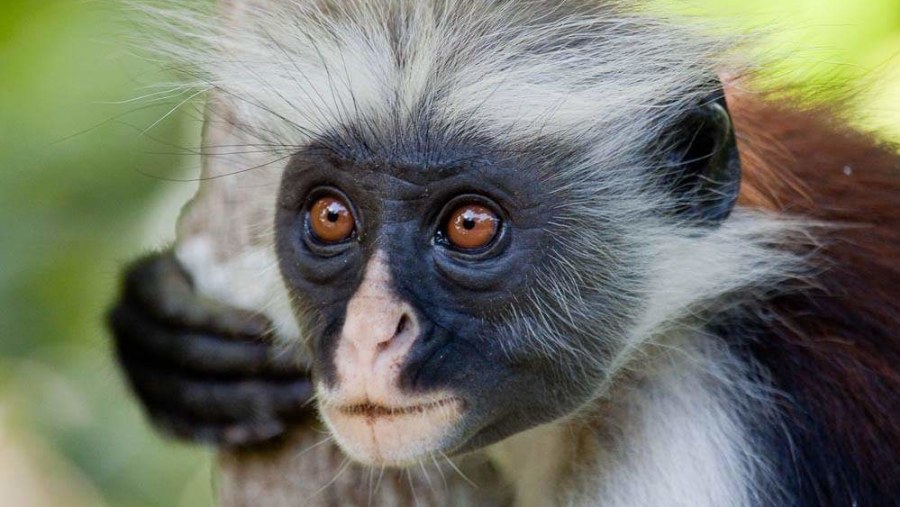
x=833, y=348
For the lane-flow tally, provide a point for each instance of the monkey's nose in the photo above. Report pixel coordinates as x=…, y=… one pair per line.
x=378, y=333
x=379, y=329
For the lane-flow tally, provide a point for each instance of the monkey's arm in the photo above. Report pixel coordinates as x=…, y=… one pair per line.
x=203, y=371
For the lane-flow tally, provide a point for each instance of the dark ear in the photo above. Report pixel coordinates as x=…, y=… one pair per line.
x=702, y=165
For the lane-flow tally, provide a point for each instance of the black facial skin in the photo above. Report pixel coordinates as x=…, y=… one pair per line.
x=203, y=371
x=401, y=209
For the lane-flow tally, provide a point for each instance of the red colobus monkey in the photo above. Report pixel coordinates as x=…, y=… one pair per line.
x=539, y=235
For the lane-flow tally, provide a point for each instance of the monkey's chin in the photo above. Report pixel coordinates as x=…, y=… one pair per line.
x=394, y=435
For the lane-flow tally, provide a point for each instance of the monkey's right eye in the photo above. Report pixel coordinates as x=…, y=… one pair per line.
x=329, y=220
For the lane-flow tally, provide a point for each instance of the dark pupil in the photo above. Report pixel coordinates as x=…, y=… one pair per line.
x=468, y=223
x=333, y=215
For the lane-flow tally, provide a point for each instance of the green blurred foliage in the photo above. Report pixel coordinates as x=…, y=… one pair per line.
x=78, y=174
x=72, y=199
x=826, y=49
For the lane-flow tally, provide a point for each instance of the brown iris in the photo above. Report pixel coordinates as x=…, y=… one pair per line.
x=472, y=226
x=330, y=220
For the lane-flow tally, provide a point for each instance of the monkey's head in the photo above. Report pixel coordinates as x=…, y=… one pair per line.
x=458, y=294
x=484, y=204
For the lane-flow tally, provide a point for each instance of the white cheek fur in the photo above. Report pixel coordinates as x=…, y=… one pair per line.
x=254, y=270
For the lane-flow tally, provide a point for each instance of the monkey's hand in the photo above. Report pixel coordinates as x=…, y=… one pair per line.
x=203, y=371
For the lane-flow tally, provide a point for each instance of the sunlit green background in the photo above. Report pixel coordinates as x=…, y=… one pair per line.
x=81, y=169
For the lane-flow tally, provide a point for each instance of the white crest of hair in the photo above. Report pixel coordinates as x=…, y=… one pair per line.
x=296, y=69
x=605, y=75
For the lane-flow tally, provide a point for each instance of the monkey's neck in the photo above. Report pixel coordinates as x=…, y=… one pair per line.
x=676, y=435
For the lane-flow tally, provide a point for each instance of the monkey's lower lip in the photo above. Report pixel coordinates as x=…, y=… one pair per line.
x=371, y=410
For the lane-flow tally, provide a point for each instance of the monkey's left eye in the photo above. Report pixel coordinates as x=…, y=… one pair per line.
x=330, y=220
x=471, y=226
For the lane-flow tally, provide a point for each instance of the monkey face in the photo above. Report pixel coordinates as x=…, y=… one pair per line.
x=416, y=282
x=454, y=297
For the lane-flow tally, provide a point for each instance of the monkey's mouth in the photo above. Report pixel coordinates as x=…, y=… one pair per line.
x=373, y=411
x=394, y=434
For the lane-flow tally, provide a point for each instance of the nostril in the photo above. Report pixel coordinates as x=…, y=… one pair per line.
x=402, y=325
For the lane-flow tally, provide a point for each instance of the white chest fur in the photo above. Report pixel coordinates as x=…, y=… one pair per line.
x=675, y=437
